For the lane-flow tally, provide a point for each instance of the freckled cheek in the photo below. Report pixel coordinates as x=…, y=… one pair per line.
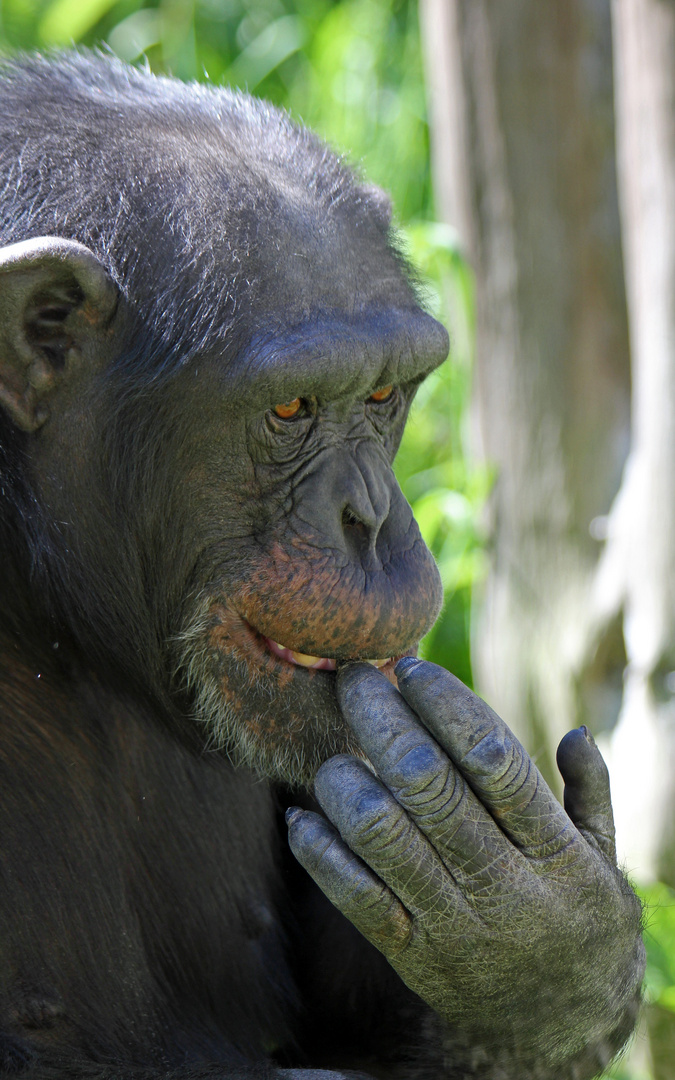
x=303, y=601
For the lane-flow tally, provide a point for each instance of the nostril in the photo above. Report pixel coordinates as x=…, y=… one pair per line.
x=355, y=531
x=360, y=538
x=349, y=518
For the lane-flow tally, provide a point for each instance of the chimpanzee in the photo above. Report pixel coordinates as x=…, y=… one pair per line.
x=212, y=595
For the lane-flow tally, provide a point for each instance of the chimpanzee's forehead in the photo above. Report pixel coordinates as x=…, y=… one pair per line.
x=209, y=208
x=293, y=232
x=260, y=234
x=304, y=259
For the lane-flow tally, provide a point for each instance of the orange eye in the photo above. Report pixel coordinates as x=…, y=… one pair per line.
x=288, y=409
x=383, y=394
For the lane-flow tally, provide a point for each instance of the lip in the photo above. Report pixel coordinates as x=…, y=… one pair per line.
x=281, y=655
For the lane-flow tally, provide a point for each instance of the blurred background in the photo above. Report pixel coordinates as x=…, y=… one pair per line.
x=530, y=152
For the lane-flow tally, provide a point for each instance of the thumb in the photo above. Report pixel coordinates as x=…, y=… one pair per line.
x=587, y=796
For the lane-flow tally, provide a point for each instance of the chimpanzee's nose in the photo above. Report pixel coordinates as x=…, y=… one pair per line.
x=367, y=500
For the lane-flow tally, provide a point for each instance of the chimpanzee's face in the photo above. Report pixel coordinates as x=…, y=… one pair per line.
x=306, y=552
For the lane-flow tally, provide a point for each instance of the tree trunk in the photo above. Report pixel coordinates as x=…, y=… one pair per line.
x=528, y=172
x=573, y=630
x=637, y=574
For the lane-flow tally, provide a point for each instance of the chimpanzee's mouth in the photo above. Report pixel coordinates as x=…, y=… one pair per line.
x=274, y=652
x=316, y=663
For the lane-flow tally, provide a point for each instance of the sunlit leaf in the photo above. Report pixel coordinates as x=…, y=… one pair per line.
x=659, y=936
x=279, y=40
x=135, y=34
x=69, y=20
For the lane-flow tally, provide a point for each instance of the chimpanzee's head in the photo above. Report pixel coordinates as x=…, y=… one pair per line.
x=209, y=344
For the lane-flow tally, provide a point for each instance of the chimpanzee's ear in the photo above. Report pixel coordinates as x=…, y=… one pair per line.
x=54, y=297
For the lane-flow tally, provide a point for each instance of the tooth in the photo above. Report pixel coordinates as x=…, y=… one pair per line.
x=379, y=663
x=304, y=659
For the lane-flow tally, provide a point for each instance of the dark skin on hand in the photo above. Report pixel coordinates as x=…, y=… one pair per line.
x=455, y=836
x=213, y=591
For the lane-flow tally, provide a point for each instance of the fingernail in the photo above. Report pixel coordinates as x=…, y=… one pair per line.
x=292, y=814
x=406, y=665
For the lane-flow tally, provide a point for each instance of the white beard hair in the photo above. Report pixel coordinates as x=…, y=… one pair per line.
x=224, y=730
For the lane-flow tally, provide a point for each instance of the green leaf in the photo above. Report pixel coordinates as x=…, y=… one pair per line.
x=659, y=938
x=279, y=40
x=69, y=20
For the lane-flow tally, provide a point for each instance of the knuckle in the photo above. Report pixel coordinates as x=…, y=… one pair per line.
x=324, y=854
x=555, y=844
x=433, y=794
x=372, y=819
x=415, y=768
x=364, y=895
x=602, y=839
x=448, y=811
x=377, y=911
x=489, y=754
x=502, y=767
x=412, y=765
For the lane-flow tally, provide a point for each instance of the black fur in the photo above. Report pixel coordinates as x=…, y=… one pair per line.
x=191, y=196
x=152, y=922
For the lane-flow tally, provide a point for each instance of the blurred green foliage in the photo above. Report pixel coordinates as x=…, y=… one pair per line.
x=659, y=986
x=353, y=72
x=659, y=920
x=444, y=489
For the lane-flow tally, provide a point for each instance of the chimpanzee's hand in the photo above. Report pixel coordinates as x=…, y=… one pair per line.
x=506, y=915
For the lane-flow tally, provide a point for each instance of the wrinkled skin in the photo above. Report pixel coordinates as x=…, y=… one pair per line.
x=457, y=838
x=327, y=558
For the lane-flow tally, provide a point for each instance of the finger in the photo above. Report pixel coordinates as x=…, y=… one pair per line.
x=348, y=883
x=423, y=780
x=378, y=829
x=587, y=795
x=496, y=766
